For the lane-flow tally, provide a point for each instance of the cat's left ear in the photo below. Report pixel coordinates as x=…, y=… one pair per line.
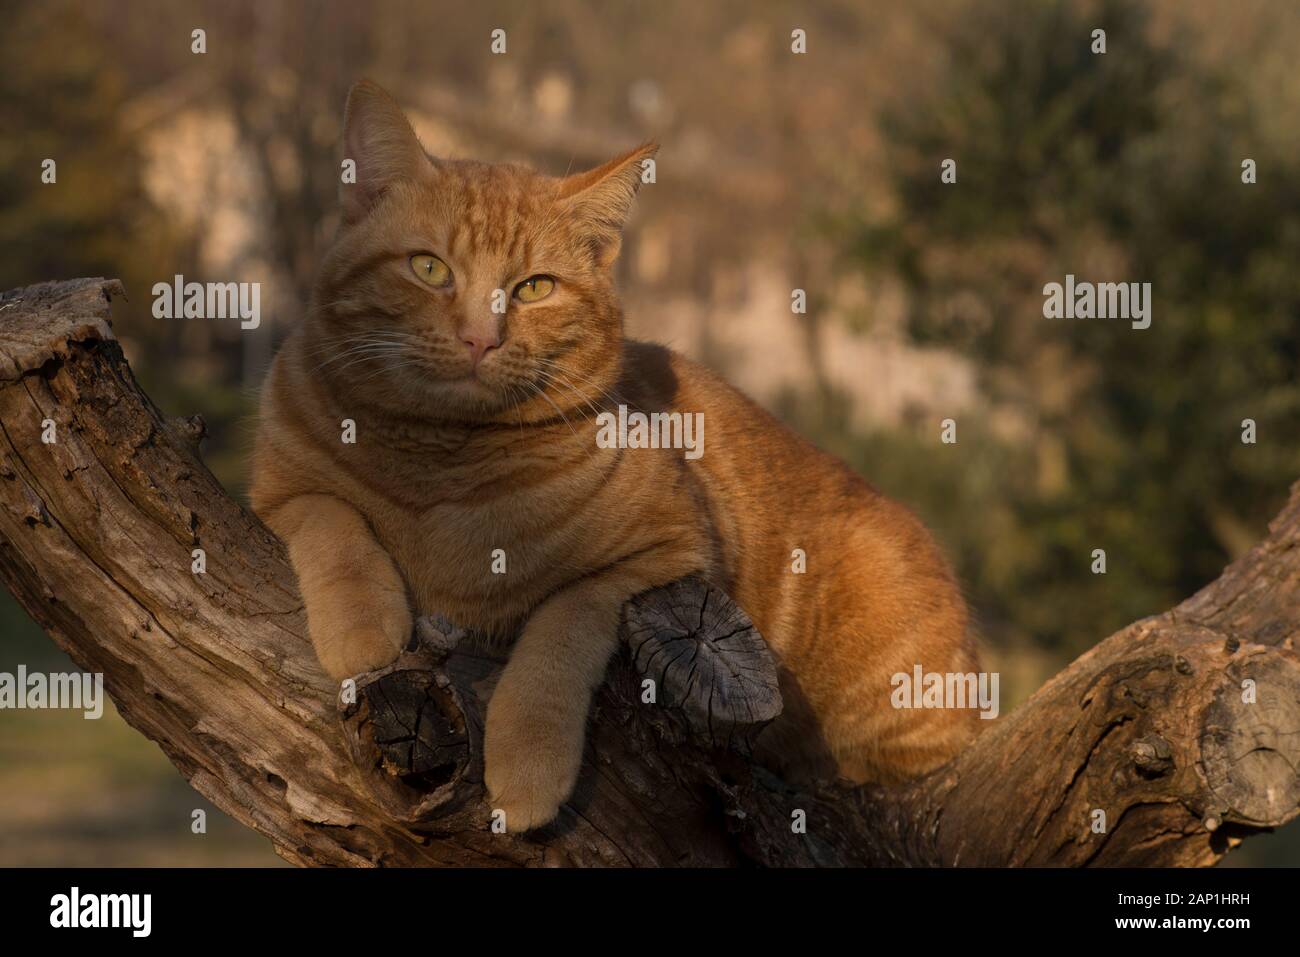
x=601, y=199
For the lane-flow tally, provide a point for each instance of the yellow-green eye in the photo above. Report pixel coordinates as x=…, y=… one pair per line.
x=534, y=288
x=431, y=269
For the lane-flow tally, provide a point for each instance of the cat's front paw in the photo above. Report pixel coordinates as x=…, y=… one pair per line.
x=348, y=643
x=528, y=792
x=528, y=774
x=360, y=650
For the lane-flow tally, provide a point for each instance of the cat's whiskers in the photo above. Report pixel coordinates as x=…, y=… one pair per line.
x=336, y=343
x=583, y=399
x=363, y=353
x=339, y=349
x=513, y=394
x=370, y=344
x=606, y=477
x=390, y=367
x=541, y=392
x=333, y=344
x=350, y=357
x=616, y=399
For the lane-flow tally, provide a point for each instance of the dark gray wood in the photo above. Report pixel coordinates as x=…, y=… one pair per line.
x=705, y=658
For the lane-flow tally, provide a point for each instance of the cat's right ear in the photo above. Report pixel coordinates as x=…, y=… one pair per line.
x=379, y=140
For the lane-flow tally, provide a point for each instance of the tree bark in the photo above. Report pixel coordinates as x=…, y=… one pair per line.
x=1183, y=729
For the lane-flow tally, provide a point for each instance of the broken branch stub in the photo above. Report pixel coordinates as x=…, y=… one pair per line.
x=417, y=724
x=705, y=657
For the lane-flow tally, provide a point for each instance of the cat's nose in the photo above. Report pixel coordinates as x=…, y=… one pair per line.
x=479, y=345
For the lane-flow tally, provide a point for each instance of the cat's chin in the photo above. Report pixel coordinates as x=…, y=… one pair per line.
x=468, y=397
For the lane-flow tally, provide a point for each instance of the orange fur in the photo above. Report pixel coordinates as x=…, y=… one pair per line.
x=457, y=456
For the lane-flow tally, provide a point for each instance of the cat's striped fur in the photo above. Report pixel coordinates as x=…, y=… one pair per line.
x=475, y=432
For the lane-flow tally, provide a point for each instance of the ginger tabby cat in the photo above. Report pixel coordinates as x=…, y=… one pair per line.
x=474, y=431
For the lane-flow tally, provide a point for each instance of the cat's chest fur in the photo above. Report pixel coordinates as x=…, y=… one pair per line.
x=485, y=526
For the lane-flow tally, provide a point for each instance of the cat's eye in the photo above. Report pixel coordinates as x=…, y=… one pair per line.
x=431, y=269
x=534, y=288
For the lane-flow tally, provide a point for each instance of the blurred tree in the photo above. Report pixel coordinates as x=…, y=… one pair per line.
x=1122, y=166
x=60, y=98
x=69, y=101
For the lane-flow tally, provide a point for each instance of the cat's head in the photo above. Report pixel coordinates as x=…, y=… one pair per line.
x=465, y=289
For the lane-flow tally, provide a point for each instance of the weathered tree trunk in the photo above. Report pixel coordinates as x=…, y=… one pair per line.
x=98, y=529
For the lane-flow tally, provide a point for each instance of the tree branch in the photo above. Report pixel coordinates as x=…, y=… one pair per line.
x=97, y=537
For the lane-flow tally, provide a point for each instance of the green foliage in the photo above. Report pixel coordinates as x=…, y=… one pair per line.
x=72, y=101
x=67, y=102
x=1121, y=167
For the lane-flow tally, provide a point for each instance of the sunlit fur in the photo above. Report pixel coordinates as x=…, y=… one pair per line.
x=455, y=460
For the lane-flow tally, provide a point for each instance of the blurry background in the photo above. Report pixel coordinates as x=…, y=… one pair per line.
x=778, y=171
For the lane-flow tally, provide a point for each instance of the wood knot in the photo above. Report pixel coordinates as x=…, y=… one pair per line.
x=1152, y=755
x=192, y=428
x=437, y=635
x=34, y=511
